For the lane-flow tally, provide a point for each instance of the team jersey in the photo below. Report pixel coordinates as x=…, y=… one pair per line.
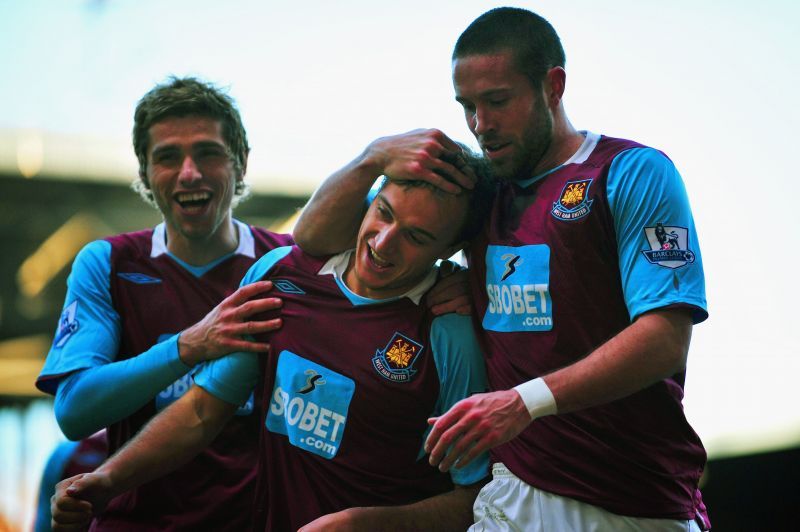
x=569, y=259
x=348, y=385
x=127, y=294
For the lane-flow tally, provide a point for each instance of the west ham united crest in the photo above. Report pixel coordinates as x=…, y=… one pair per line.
x=396, y=361
x=669, y=246
x=574, y=202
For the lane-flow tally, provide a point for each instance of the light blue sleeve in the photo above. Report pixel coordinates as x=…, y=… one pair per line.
x=659, y=254
x=90, y=399
x=233, y=377
x=88, y=330
x=462, y=372
x=92, y=388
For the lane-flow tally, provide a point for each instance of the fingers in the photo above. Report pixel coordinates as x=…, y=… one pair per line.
x=242, y=294
x=460, y=305
x=256, y=306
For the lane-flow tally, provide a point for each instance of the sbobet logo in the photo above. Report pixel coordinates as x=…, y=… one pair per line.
x=309, y=404
x=518, y=289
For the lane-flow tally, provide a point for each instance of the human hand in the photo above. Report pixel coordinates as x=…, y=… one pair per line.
x=343, y=521
x=423, y=155
x=76, y=499
x=223, y=329
x=473, y=426
x=451, y=292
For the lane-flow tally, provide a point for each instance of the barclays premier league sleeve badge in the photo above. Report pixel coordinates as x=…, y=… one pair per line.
x=669, y=246
x=67, y=324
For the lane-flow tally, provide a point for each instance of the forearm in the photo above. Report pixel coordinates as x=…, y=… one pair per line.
x=92, y=399
x=330, y=221
x=652, y=348
x=168, y=441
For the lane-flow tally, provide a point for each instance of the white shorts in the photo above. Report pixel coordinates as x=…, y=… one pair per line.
x=508, y=503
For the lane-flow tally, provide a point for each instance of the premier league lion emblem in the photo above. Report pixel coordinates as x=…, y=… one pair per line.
x=669, y=246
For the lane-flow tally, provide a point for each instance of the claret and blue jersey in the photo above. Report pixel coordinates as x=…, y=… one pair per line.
x=127, y=299
x=346, y=390
x=569, y=259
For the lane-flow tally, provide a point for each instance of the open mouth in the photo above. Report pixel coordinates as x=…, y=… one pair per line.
x=376, y=259
x=193, y=200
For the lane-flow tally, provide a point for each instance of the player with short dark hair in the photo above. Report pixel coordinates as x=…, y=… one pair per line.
x=349, y=382
x=126, y=346
x=585, y=317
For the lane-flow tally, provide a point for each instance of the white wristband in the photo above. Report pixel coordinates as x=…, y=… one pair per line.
x=537, y=397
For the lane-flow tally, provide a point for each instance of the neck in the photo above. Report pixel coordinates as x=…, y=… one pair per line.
x=566, y=141
x=201, y=250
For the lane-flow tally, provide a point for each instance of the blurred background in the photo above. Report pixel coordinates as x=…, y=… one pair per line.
x=710, y=83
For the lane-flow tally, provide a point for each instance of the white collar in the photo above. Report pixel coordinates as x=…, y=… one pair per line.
x=247, y=245
x=337, y=265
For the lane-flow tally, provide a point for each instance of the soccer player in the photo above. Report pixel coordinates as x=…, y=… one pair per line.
x=126, y=346
x=348, y=385
x=584, y=301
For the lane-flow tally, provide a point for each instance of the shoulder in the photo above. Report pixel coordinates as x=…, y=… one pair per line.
x=269, y=239
x=263, y=265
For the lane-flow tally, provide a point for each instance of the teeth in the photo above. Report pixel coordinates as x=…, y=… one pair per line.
x=192, y=196
x=380, y=261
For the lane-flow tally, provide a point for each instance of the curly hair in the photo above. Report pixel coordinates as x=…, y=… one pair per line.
x=178, y=97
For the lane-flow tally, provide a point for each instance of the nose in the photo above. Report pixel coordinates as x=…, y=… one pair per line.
x=481, y=123
x=189, y=171
x=384, y=240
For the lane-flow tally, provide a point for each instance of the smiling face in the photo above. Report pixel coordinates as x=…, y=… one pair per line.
x=506, y=112
x=403, y=233
x=192, y=177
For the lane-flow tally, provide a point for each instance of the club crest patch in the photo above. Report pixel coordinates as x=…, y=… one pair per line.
x=67, y=324
x=395, y=362
x=669, y=246
x=574, y=202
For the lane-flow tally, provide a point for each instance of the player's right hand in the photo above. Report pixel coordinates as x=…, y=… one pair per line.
x=75, y=500
x=227, y=327
x=422, y=155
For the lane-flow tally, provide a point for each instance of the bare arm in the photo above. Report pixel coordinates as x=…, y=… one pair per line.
x=447, y=511
x=652, y=348
x=329, y=222
x=168, y=441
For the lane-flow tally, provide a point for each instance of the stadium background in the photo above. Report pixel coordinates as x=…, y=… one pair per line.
x=712, y=84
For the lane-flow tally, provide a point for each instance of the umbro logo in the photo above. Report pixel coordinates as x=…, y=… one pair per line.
x=287, y=286
x=139, y=278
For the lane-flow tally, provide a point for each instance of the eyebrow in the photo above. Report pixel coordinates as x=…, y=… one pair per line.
x=382, y=199
x=199, y=144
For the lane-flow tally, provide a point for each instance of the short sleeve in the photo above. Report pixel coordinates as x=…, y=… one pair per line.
x=659, y=253
x=88, y=330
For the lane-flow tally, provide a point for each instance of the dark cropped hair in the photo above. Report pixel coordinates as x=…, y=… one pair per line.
x=480, y=197
x=533, y=42
x=178, y=97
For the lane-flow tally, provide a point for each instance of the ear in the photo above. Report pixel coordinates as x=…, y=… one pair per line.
x=555, y=82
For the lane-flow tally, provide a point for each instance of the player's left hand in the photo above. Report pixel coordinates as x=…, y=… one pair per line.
x=473, y=426
x=451, y=293
x=343, y=521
